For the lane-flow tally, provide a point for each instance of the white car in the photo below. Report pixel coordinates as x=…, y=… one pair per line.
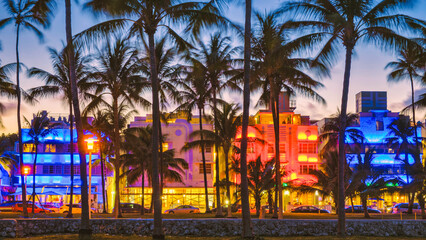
x=183, y=209
x=76, y=208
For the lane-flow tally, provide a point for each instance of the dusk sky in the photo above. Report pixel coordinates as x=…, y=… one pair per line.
x=368, y=73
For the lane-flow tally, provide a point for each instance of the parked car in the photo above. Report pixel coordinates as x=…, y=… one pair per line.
x=183, y=209
x=131, y=208
x=19, y=207
x=360, y=209
x=52, y=207
x=308, y=209
x=76, y=208
x=7, y=206
x=403, y=207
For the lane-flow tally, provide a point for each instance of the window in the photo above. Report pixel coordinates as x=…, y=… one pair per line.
x=379, y=126
x=250, y=148
x=307, y=168
x=50, y=148
x=208, y=168
x=282, y=148
x=270, y=149
x=77, y=170
x=29, y=147
x=208, y=148
x=67, y=170
x=308, y=148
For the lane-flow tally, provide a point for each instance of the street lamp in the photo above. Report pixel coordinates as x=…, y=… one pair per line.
x=90, y=148
x=25, y=171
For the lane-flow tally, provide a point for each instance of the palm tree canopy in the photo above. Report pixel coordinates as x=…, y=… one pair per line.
x=39, y=127
x=150, y=15
x=118, y=75
x=274, y=60
x=353, y=21
x=58, y=82
x=29, y=13
x=411, y=63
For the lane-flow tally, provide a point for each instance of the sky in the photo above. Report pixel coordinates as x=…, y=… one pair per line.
x=367, y=73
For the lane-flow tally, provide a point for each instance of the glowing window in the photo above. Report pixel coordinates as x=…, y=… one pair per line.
x=50, y=148
x=29, y=147
x=302, y=136
x=312, y=159
x=312, y=137
x=165, y=146
x=302, y=158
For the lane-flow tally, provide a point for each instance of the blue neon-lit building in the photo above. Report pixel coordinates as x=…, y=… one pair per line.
x=53, y=170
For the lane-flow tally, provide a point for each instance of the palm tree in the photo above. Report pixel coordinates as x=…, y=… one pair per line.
x=276, y=69
x=59, y=83
x=25, y=14
x=7, y=88
x=194, y=94
x=228, y=124
x=348, y=23
x=116, y=76
x=101, y=127
x=411, y=64
x=247, y=227
x=367, y=180
x=150, y=16
x=330, y=132
x=402, y=138
x=215, y=61
x=39, y=127
x=139, y=161
x=261, y=179
x=167, y=71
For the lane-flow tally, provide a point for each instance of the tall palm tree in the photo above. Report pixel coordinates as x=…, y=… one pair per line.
x=25, y=14
x=215, y=61
x=39, y=128
x=59, y=83
x=117, y=76
x=276, y=69
x=343, y=23
x=167, y=71
x=411, y=64
x=150, y=16
x=247, y=227
x=194, y=94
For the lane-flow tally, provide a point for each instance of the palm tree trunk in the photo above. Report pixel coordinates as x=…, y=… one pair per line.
x=352, y=203
x=103, y=179
x=216, y=149
x=34, y=173
x=143, y=192
x=161, y=159
x=203, y=157
x=364, y=206
x=270, y=201
x=158, y=223
x=18, y=113
x=247, y=227
x=69, y=215
x=228, y=190
x=341, y=225
x=85, y=231
x=257, y=204
x=278, y=190
x=117, y=210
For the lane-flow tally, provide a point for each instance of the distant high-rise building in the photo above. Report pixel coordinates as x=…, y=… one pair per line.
x=371, y=100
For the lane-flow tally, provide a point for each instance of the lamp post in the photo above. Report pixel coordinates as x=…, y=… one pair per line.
x=26, y=171
x=90, y=147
